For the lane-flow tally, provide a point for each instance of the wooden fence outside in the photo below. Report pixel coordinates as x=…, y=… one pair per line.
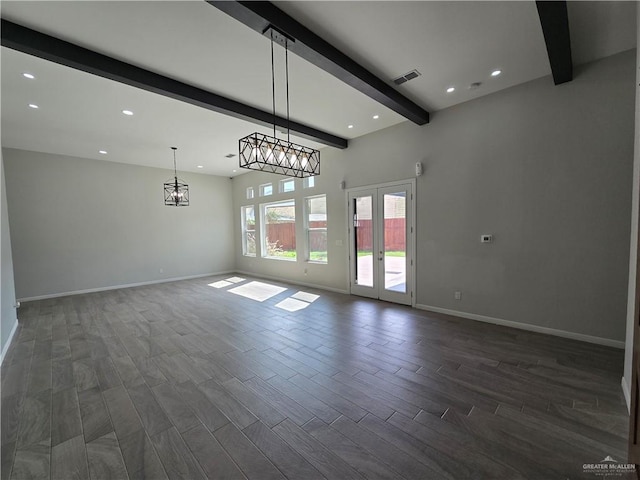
x=394, y=235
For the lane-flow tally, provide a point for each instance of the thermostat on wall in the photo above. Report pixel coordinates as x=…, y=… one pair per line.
x=487, y=238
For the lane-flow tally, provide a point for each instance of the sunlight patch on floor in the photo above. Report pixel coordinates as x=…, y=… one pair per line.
x=292, y=305
x=257, y=291
x=235, y=279
x=306, y=297
x=298, y=301
x=220, y=284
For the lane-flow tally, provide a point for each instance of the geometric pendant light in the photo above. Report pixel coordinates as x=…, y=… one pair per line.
x=274, y=155
x=265, y=153
x=176, y=192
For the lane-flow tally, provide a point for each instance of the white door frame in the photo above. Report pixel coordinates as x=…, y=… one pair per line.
x=411, y=232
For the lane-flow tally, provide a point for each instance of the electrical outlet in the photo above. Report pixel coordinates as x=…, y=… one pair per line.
x=457, y=295
x=486, y=238
x=162, y=270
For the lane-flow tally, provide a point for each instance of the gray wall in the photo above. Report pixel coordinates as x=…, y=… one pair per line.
x=546, y=169
x=633, y=255
x=8, y=316
x=79, y=224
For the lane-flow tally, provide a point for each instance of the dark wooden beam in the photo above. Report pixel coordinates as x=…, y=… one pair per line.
x=260, y=15
x=26, y=40
x=555, y=27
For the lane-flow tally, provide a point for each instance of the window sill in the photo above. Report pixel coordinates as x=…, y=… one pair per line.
x=281, y=258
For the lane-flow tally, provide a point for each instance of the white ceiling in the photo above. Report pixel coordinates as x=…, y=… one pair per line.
x=450, y=43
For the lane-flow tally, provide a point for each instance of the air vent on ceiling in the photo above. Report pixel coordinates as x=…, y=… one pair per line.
x=230, y=155
x=406, y=77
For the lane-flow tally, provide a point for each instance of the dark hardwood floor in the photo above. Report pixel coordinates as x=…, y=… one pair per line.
x=186, y=380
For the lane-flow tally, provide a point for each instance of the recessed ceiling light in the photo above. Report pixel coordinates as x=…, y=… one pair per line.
x=127, y=112
x=33, y=105
x=495, y=73
x=200, y=166
x=28, y=75
x=102, y=152
x=375, y=117
x=349, y=126
x=451, y=89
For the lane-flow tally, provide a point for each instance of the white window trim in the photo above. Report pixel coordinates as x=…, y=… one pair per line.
x=283, y=182
x=307, y=229
x=245, y=231
x=262, y=188
x=263, y=230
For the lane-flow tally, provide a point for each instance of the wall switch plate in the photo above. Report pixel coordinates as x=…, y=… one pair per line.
x=338, y=243
x=457, y=295
x=486, y=238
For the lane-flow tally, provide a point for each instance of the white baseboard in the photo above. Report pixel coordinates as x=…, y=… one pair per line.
x=293, y=282
x=128, y=285
x=627, y=395
x=5, y=347
x=527, y=326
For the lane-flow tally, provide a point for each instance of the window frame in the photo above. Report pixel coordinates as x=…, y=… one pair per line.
x=287, y=181
x=263, y=230
x=263, y=188
x=245, y=231
x=308, y=229
x=309, y=180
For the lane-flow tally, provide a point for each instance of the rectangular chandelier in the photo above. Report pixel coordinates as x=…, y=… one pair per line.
x=176, y=193
x=270, y=154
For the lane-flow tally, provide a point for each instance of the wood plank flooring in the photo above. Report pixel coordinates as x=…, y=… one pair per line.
x=187, y=381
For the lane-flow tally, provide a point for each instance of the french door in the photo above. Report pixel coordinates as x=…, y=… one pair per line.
x=381, y=242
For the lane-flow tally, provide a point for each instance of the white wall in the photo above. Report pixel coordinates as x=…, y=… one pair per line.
x=546, y=169
x=633, y=254
x=8, y=318
x=80, y=224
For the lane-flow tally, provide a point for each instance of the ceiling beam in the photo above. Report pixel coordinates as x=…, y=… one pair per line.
x=260, y=15
x=26, y=40
x=555, y=27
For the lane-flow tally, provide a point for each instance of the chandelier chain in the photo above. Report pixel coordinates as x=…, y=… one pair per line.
x=273, y=87
x=175, y=170
x=286, y=61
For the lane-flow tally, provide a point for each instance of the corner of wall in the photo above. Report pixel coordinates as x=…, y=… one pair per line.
x=627, y=395
x=7, y=342
x=635, y=214
x=8, y=314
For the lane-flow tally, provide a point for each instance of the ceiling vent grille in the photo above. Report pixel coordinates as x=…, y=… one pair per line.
x=406, y=77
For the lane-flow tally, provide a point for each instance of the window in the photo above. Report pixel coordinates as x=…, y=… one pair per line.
x=266, y=190
x=279, y=232
x=248, y=231
x=287, y=185
x=309, y=182
x=316, y=228
x=250, y=193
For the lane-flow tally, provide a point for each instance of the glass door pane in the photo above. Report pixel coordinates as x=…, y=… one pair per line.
x=380, y=239
x=363, y=240
x=394, y=241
